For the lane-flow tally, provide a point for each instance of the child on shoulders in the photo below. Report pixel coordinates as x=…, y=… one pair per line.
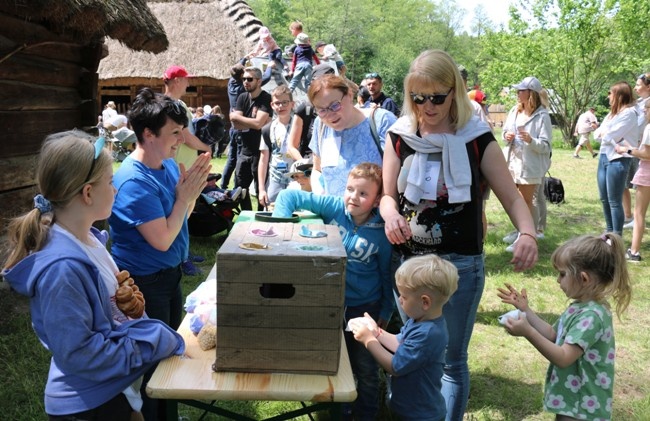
x=301, y=65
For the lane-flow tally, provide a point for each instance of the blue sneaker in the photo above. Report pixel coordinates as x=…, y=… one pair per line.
x=189, y=269
x=196, y=258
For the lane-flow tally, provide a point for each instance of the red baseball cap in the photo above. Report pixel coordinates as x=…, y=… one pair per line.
x=175, y=71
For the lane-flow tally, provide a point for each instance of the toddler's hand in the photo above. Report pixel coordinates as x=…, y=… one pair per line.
x=512, y=296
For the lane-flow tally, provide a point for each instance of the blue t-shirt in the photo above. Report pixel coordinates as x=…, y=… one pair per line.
x=418, y=363
x=143, y=195
x=353, y=146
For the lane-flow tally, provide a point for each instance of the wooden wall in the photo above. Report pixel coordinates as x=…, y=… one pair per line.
x=48, y=84
x=202, y=91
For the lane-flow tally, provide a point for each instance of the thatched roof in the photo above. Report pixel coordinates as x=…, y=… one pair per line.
x=85, y=21
x=207, y=37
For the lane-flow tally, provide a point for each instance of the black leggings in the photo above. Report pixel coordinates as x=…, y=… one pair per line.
x=117, y=409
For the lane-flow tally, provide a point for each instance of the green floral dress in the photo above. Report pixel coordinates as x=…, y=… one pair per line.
x=584, y=390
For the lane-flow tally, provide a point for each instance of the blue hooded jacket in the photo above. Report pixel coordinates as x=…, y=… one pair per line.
x=367, y=273
x=93, y=358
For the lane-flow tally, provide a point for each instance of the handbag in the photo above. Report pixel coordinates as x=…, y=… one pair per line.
x=553, y=189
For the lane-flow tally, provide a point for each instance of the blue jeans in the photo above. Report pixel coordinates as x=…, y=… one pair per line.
x=612, y=177
x=231, y=161
x=302, y=71
x=460, y=314
x=364, y=367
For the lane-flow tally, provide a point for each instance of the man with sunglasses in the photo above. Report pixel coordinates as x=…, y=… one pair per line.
x=252, y=111
x=374, y=83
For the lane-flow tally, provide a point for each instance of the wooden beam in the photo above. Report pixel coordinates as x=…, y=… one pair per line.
x=17, y=96
x=17, y=172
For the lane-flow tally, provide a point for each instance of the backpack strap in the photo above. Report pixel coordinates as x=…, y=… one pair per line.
x=375, y=134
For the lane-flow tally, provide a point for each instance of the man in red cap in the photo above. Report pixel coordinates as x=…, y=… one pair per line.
x=177, y=80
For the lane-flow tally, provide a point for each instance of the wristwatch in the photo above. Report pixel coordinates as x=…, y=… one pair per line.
x=629, y=151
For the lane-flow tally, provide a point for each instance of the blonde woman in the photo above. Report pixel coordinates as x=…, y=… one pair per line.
x=438, y=160
x=528, y=134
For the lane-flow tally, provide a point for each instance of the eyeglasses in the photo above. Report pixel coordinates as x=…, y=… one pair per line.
x=334, y=107
x=99, y=145
x=373, y=75
x=645, y=78
x=248, y=79
x=280, y=103
x=436, y=99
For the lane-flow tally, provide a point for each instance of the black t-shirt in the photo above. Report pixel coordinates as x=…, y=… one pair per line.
x=306, y=112
x=439, y=226
x=249, y=140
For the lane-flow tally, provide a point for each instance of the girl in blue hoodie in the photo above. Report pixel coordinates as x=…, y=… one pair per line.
x=59, y=260
x=368, y=284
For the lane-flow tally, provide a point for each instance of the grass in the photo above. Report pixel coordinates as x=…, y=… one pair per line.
x=507, y=373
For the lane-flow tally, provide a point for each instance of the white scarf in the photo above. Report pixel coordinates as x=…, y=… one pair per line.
x=455, y=163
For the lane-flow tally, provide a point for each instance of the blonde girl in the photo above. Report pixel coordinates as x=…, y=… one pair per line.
x=580, y=346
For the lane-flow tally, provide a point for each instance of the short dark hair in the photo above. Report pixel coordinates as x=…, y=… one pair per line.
x=237, y=71
x=150, y=110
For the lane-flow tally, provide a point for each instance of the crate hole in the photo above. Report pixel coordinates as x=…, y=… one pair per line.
x=282, y=291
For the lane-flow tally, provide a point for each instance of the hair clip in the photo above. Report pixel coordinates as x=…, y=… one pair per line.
x=42, y=204
x=606, y=239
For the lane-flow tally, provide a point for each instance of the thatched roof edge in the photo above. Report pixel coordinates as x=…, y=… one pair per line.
x=87, y=21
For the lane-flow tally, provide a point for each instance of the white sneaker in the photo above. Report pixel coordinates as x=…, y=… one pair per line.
x=511, y=238
x=629, y=225
x=539, y=235
x=511, y=247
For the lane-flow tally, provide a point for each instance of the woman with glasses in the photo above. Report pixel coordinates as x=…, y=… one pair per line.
x=527, y=132
x=619, y=127
x=59, y=260
x=342, y=135
x=438, y=160
x=153, y=201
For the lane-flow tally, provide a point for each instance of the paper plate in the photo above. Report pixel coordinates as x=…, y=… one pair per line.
x=254, y=246
x=264, y=233
x=307, y=233
x=311, y=248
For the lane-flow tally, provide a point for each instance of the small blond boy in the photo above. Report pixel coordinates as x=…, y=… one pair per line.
x=415, y=357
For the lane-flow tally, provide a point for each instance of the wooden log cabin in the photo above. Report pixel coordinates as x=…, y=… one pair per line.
x=49, y=54
x=206, y=37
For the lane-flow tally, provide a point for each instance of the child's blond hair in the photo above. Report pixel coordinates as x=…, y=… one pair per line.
x=603, y=258
x=296, y=25
x=369, y=171
x=428, y=272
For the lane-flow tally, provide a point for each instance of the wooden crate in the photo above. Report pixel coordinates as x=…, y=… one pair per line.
x=280, y=309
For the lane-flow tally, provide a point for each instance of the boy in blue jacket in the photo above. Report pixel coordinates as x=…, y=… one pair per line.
x=368, y=286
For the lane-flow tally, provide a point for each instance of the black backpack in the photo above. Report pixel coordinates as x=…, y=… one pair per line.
x=210, y=129
x=553, y=189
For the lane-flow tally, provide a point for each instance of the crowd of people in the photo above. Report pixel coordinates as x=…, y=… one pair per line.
x=405, y=184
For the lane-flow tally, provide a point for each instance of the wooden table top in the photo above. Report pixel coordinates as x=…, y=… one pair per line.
x=191, y=377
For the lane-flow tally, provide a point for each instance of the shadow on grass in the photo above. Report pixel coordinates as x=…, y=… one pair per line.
x=488, y=388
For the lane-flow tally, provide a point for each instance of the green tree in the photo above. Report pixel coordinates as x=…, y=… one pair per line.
x=571, y=46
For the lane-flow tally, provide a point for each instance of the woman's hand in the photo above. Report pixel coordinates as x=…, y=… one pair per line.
x=396, y=228
x=509, y=136
x=524, y=255
x=191, y=182
x=514, y=297
x=525, y=136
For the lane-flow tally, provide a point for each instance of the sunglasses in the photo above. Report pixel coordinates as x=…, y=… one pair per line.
x=306, y=173
x=248, y=79
x=280, y=103
x=175, y=107
x=99, y=145
x=373, y=75
x=333, y=108
x=436, y=99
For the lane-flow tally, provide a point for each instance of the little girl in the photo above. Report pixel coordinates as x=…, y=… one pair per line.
x=580, y=345
x=60, y=261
